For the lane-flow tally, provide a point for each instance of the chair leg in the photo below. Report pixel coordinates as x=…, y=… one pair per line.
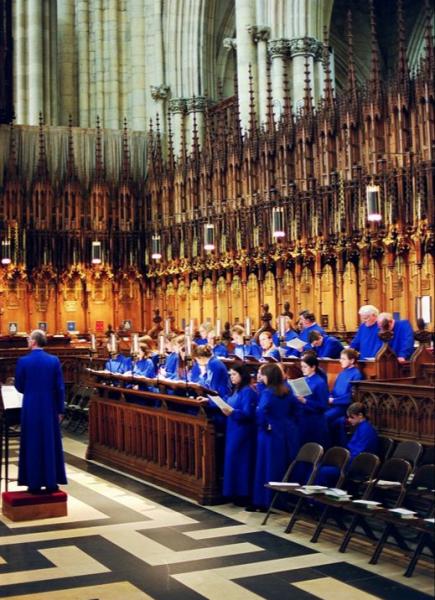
x=349, y=533
x=320, y=524
x=416, y=555
x=380, y=545
x=294, y=516
x=269, y=510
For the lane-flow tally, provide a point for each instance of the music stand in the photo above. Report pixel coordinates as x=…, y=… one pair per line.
x=10, y=415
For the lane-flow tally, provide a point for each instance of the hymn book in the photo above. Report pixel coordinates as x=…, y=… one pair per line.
x=300, y=387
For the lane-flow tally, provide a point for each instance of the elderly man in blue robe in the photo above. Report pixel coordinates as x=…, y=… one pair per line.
x=367, y=341
x=402, y=341
x=39, y=378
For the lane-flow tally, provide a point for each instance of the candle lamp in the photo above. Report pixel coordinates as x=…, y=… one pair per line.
x=135, y=344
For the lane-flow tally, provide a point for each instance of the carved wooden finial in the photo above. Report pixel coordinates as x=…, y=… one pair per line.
x=252, y=113
x=171, y=154
x=99, y=166
x=42, y=168
x=12, y=164
x=270, y=112
x=351, y=77
x=71, y=170
x=126, y=171
x=402, y=64
x=328, y=90
x=308, y=99
x=375, y=70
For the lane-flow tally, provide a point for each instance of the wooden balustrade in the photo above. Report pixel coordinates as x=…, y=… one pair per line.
x=161, y=445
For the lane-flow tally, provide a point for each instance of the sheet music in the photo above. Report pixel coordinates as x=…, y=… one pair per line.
x=296, y=344
x=219, y=402
x=300, y=387
x=12, y=398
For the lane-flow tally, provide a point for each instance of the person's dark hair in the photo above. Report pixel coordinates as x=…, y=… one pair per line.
x=39, y=337
x=204, y=351
x=309, y=316
x=351, y=353
x=245, y=375
x=357, y=408
x=275, y=378
x=310, y=359
x=314, y=336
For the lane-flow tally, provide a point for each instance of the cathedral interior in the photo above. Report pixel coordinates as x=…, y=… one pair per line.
x=172, y=164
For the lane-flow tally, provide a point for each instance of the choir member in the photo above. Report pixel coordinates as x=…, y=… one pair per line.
x=214, y=374
x=242, y=349
x=144, y=364
x=311, y=417
x=366, y=340
x=269, y=350
x=289, y=334
x=203, y=330
x=341, y=395
x=173, y=347
x=325, y=346
x=219, y=349
x=277, y=434
x=240, y=441
x=307, y=323
x=403, y=335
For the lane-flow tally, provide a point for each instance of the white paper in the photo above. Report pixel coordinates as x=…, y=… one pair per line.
x=384, y=482
x=366, y=502
x=403, y=512
x=284, y=484
x=296, y=343
x=299, y=386
x=219, y=402
x=12, y=398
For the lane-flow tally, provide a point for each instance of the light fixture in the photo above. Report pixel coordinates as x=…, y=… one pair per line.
x=209, y=237
x=96, y=253
x=156, y=252
x=6, y=252
x=373, y=212
x=278, y=222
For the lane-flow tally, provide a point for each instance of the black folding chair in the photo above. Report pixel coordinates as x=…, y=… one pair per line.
x=419, y=497
x=385, y=448
x=358, y=483
x=410, y=451
x=389, y=490
x=428, y=456
x=336, y=457
x=309, y=454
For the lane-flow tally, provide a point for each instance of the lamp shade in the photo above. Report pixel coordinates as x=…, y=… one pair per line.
x=6, y=252
x=156, y=251
x=96, y=253
x=278, y=222
x=209, y=237
x=373, y=210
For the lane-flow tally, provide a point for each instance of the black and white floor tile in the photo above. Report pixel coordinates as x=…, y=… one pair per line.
x=123, y=539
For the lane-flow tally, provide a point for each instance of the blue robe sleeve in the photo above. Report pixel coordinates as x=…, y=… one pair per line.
x=332, y=348
x=60, y=388
x=365, y=439
x=19, y=377
x=217, y=378
x=403, y=340
x=342, y=390
x=317, y=401
x=248, y=406
x=356, y=342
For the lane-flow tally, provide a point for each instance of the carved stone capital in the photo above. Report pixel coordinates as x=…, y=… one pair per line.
x=230, y=44
x=279, y=48
x=258, y=33
x=195, y=104
x=159, y=92
x=306, y=45
x=177, y=105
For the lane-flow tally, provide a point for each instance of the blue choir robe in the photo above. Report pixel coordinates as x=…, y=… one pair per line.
x=220, y=350
x=128, y=363
x=171, y=365
x=367, y=341
x=273, y=353
x=240, y=444
x=244, y=350
x=304, y=335
x=200, y=341
x=342, y=393
x=116, y=364
x=216, y=378
x=39, y=378
x=289, y=335
x=312, y=422
x=331, y=347
x=403, y=339
x=364, y=439
x=277, y=441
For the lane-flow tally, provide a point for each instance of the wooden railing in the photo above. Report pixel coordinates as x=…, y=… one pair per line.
x=161, y=445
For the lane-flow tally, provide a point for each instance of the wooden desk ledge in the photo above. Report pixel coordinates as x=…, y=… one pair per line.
x=23, y=506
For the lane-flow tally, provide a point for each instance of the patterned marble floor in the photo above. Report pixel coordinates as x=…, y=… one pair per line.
x=126, y=540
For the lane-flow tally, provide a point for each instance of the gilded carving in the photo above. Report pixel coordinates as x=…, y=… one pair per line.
x=207, y=289
x=221, y=287
x=194, y=290
x=236, y=287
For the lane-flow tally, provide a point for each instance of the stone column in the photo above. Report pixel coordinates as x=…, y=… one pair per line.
x=83, y=75
x=20, y=60
x=35, y=61
x=300, y=48
x=111, y=116
x=279, y=50
x=177, y=108
x=67, y=63
x=260, y=35
x=246, y=56
x=137, y=65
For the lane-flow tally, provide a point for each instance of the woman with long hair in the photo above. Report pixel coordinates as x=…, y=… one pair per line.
x=277, y=435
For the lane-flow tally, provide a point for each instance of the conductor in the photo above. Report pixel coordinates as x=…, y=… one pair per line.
x=39, y=378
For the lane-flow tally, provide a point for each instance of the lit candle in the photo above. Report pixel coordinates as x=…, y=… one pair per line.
x=113, y=344
x=93, y=342
x=218, y=328
x=281, y=326
x=135, y=343
x=188, y=345
x=248, y=327
x=192, y=327
x=161, y=345
x=167, y=326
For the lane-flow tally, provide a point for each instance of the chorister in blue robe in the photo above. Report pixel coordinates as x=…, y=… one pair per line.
x=304, y=335
x=171, y=365
x=220, y=350
x=331, y=347
x=200, y=341
x=144, y=367
x=403, y=339
x=286, y=350
x=117, y=364
x=312, y=422
x=244, y=350
x=39, y=377
x=272, y=353
x=364, y=439
x=240, y=444
x=216, y=377
x=367, y=341
x=277, y=442
x=342, y=394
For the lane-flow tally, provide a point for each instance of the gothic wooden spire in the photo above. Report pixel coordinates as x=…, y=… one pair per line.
x=375, y=71
x=429, y=59
x=99, y=166
x=125, y=170
x=42, y=168
x=158, y=156
x=195, y=137
x=308, y=99
x=402, y=64
x=11, y=169
x=252, y=114
x=351, y=77
x=328, y=90
x=270, y=113
x=71, y=170
x=171, y=155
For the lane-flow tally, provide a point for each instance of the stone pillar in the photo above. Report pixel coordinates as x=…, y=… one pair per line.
x=96, y=79
x=279, y=53
x=111, y=116
x=67, y=63
x=246, y=56
x=35, y=62
x=137, y=65
x=83, y=75
x=300, y=48
x=260, y=35
x=20, y=60
x=177, y=108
